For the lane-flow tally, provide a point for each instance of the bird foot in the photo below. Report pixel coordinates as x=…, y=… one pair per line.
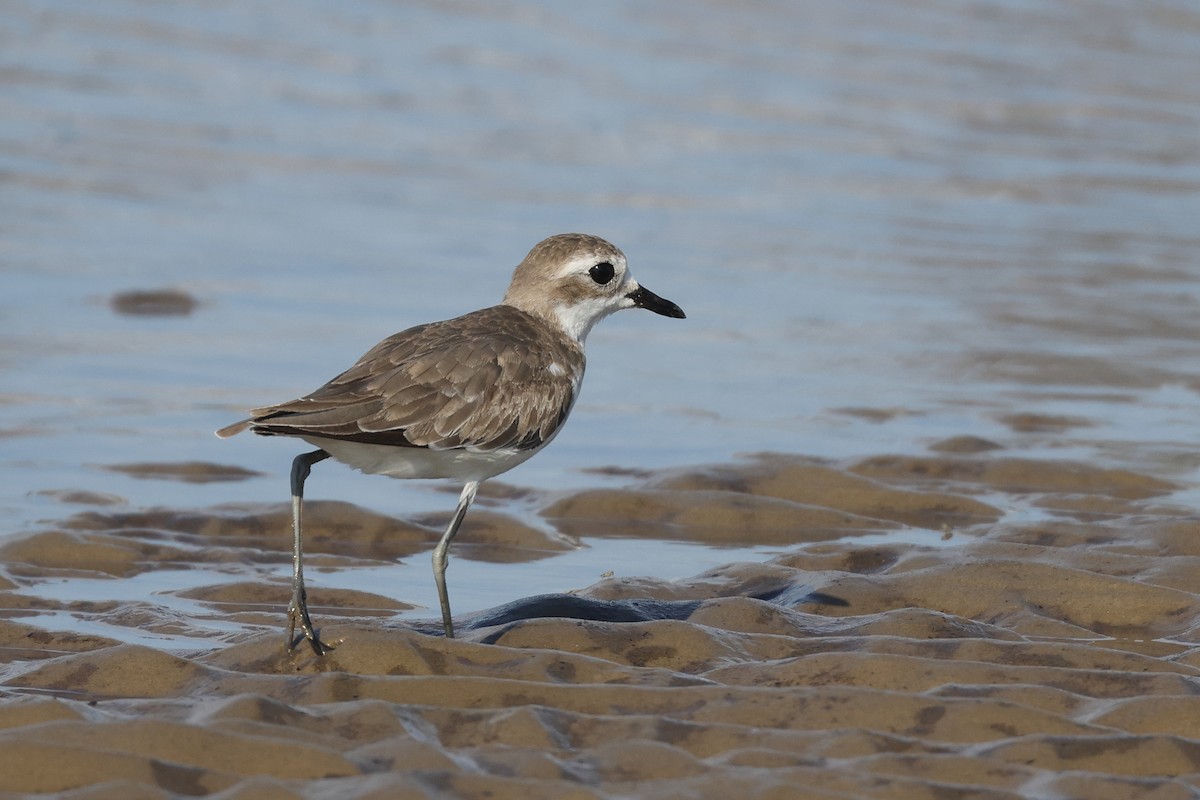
x=298, y=615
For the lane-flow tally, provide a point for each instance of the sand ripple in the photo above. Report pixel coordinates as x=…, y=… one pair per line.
x=1056, y=657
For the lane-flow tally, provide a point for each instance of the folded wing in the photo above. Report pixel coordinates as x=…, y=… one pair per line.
x=493, y=379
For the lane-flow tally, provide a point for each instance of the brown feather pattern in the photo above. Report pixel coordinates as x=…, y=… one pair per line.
x=482, y=381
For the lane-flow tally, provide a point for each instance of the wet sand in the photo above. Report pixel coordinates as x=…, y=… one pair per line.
x=946, y=250
x=1040, y=640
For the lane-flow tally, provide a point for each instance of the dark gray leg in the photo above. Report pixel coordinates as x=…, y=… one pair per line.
x=298, y=608
x=443, y=547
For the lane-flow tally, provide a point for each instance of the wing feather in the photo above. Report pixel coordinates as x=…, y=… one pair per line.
x=492, y=379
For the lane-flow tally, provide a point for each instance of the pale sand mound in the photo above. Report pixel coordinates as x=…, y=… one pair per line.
x=1048, y=659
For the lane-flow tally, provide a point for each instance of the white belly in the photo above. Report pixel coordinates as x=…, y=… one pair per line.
x=415, y=462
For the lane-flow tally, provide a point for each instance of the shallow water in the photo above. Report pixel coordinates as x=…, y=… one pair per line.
x=890, y=224
x=1018, y=656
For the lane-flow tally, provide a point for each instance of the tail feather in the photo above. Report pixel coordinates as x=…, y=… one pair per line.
x=234, y=429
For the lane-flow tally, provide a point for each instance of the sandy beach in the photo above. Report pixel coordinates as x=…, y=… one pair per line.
x=1009, y=659
x=905, y=509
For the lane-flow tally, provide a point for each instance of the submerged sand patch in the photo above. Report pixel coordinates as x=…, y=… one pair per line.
x=1054, y=657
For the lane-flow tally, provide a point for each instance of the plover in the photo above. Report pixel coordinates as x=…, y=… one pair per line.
x=466, y=398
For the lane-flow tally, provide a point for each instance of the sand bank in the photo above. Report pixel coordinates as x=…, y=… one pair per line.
x=1044, y=644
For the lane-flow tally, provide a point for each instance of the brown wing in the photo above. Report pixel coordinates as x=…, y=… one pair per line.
x=494, y=378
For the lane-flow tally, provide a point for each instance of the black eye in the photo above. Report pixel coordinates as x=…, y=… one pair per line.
x=602, y=273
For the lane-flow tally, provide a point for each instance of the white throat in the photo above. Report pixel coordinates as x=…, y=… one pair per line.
x=577, y=320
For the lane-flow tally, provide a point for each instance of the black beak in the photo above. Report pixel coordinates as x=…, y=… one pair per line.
x=644, y=298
